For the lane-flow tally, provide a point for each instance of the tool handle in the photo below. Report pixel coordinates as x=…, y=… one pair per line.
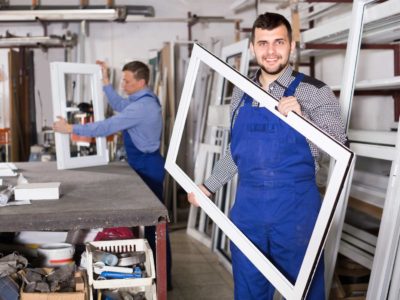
x=117, y=275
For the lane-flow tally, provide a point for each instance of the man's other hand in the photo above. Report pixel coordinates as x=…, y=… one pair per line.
x=288, y=104
x=192, y=198
x=104, y=71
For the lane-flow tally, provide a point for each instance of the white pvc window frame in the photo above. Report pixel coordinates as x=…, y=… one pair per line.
x=343, y=156
x=58, y=71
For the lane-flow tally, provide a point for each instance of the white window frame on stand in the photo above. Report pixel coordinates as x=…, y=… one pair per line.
x=58, y=71
x=344, y=163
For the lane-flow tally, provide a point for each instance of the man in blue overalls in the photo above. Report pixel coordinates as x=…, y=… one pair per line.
x=277, y=200
x=139, y=118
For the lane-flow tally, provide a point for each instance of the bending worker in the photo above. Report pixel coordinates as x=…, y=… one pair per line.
x=139, y=118
x=277, y=200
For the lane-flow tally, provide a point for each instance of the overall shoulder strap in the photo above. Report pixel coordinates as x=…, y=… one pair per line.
x=247, y=99
x=291, y=89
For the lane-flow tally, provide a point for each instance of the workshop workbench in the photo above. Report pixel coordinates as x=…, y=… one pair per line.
x=95, y=197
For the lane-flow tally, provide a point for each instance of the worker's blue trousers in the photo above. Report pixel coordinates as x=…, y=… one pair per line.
x=150, y=167
x=277, y=201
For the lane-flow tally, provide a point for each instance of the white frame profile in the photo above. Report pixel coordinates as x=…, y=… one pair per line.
x=58, y=71
x=344, y=162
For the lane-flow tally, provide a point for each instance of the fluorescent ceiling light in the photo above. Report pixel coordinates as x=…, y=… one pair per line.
x=64, y=15
x=36, y=41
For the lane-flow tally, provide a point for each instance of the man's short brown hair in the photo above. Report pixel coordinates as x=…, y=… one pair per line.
x=139, y=70
x=270, y=21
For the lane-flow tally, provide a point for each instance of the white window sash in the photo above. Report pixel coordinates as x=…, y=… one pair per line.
x=58, y=71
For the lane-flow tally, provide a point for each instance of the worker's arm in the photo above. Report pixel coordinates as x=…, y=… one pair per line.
x=129, y=118
x=223, y=171
x=326, y=114
x=117, y=102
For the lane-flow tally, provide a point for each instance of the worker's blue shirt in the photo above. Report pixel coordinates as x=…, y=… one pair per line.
x=139, y=114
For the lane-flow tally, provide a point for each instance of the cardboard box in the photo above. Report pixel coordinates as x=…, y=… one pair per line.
x=81, y=292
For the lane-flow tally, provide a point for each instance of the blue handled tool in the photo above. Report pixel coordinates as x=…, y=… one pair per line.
x=118, y=275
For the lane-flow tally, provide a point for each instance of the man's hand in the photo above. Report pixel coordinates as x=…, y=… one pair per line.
x=62, y=126
x=288, y=104
x=192, y=198
x=104, y=71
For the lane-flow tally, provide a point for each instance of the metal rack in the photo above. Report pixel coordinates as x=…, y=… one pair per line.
x=380, y=22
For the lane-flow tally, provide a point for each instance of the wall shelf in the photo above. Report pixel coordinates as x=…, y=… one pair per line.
x=381, y=23
x=392, y=83
x=373, y=137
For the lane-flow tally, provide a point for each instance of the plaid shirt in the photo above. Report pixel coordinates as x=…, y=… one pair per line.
x=318, y=104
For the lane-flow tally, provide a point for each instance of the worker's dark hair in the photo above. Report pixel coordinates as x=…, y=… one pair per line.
x=270, y=21
x=139, y=70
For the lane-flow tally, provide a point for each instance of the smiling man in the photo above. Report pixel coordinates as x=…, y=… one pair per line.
x=139, y=118
x=277, y=200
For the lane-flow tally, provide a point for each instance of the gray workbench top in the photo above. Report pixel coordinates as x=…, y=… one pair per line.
x=103, y=196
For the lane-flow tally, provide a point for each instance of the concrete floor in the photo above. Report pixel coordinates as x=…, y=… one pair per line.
x=196, y=272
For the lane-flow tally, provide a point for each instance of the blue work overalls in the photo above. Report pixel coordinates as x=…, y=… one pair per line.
x=277, y=200
x=150, y=167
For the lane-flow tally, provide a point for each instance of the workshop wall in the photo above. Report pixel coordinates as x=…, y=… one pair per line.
x=118, y=43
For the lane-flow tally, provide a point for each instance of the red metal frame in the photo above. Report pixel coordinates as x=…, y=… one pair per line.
x=161, y=260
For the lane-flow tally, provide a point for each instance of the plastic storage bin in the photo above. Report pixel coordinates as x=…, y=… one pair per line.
x=149, y=291
x=122, y=246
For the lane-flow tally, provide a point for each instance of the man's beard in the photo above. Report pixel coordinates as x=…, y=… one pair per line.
x=280, y=67
x=277, y=71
